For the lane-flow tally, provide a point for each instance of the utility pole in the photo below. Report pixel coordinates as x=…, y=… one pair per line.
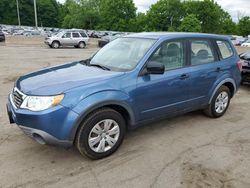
x=35, y=14
x=18, y=15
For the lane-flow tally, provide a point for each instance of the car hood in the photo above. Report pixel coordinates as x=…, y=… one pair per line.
x=57, y=80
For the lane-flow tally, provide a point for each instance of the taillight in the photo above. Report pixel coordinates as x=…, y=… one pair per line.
x=239, y=64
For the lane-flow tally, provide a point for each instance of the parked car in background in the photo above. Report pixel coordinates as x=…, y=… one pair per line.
x=106, y=39
x=246, y=44
x=30, y=33
x=76, y=38
x=245, y=57
x=2, y=36
x=239, y=41
x=99, y=34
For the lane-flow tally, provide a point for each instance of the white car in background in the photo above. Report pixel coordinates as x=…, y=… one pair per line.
x=246, y=44
x=76, y=38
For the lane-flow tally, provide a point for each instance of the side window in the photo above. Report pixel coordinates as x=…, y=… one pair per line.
x=201, y=52
x=171, y=54
x=66, y=35
x=83, y=34
x=75, y=35
x=225, y=49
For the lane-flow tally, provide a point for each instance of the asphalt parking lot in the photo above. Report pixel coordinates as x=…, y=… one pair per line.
x=187, y=151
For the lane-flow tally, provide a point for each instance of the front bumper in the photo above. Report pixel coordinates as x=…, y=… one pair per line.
x=44, y=138
x=47, y=42
x=53, y=126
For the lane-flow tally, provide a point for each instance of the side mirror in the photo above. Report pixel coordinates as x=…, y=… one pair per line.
x=155, y=68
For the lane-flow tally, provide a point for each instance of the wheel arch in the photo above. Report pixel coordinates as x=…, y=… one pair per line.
x=120, y=107
x=56, y=41
x=226, y=82
x=82, y=41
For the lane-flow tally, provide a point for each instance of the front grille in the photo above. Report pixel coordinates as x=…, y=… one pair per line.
x=17, y=97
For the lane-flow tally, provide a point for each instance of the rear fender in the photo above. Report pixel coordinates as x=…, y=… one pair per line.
x=218, y=84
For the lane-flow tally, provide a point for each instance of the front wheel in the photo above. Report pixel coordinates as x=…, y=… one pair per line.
x=219, y=103
x=55, y=44
x=101, y=133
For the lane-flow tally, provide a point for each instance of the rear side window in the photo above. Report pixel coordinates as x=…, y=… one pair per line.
x=83, y=34
x=201, y=52
x=225, y=49
x=75, y=35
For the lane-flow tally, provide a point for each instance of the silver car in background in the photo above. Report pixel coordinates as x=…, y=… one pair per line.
x=76, y=38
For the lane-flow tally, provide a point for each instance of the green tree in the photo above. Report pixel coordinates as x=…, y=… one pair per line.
x=244, y=26
x=140, y=23
x=229, y=27
x=90, y=13
x=26, y=8
x=47, y=12
x=117, y=15
x=165, y=15
x=190, y=24
x=208, y=12
x=72, y=11
x=81, y=14
x=8, y=13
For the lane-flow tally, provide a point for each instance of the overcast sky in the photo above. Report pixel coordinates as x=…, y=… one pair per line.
x=234, y=7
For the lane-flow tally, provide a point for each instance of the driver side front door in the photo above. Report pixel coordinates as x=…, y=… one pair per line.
x=163, y=94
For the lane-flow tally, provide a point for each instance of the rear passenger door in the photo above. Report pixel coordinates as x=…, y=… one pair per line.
x=205, y=69
x=76, y=38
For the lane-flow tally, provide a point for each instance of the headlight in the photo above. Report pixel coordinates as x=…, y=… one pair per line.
x=39, y=103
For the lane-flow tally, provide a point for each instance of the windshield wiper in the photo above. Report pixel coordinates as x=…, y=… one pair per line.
x=100, y=66
x=85, y=62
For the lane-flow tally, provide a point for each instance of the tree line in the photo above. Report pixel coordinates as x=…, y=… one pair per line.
x=121, y=15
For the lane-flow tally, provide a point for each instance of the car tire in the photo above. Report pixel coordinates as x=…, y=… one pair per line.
x=55, y=44
x=220, y=103
x=101, y=133
x=81, y=44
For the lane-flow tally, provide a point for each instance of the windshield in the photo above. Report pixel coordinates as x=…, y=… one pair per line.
x=59, y=34
x=122, y=54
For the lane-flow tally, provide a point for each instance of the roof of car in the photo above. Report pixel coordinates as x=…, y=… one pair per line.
x=159, y=35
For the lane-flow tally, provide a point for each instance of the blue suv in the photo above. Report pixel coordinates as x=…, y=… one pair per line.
x=131, y=81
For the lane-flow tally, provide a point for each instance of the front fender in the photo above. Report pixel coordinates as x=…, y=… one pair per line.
x=100, y=99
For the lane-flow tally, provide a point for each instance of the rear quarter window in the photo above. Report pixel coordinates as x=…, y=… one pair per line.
x=83, y=34
x=225, y=48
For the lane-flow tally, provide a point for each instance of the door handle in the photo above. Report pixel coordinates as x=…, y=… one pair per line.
x=218, y=69
x=184, y=77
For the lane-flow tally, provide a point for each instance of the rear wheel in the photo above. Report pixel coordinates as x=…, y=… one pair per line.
x=101, y=133
x=219, y=103
x=81, y=44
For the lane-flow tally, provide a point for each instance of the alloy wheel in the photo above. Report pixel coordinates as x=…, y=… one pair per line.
x=103, y=135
